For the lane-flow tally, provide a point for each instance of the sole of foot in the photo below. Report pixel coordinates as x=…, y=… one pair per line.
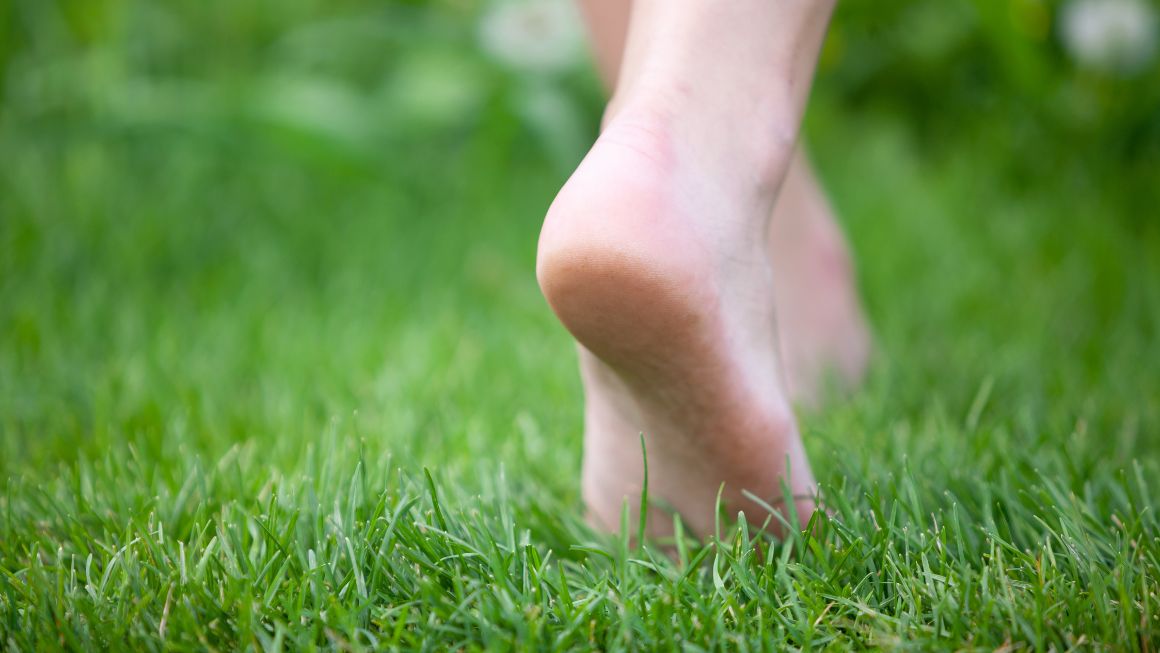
x=659, y=269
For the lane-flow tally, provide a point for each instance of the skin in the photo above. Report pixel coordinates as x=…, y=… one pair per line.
x=661, y=256
x=822, y=332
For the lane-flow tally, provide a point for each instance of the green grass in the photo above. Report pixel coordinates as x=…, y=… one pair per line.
x=262, y=386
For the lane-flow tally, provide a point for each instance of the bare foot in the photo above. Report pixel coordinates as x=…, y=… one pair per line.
x=667, y=287
x=822, y=330
x=655, y=256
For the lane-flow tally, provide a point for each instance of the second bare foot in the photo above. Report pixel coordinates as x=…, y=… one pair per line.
x=821, y=327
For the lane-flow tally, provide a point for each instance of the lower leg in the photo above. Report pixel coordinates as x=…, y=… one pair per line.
x=654, y=256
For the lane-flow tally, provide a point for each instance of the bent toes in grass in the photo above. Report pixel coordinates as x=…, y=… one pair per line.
x=654, y=256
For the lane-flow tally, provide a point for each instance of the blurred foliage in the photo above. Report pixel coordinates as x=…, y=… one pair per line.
x=350, y=81
x=996, y=72
x=346, y=85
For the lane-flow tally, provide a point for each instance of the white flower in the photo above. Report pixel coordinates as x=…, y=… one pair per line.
x=1117, y=36
x=541, y=36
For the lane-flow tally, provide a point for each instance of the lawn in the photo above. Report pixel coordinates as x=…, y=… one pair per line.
x=275, y=372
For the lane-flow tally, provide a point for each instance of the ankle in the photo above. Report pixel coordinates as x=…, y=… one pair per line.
x=744, y=154
x=730, y=79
